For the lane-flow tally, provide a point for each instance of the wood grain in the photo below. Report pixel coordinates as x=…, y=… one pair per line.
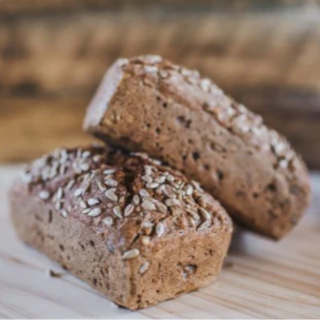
x=66, y=52
x=261, y=279
x=30, y=128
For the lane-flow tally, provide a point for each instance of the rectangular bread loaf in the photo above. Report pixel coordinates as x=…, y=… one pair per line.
x=150, y=105
x=135, y=230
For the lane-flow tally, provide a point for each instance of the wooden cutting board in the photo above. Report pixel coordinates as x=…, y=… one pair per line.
x=260, y=279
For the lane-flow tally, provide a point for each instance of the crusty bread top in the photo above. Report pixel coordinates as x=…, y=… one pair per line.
x=202, y=94
x=128, y=197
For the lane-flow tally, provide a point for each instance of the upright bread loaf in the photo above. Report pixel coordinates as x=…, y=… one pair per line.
x=149, y=104
x=133, y=229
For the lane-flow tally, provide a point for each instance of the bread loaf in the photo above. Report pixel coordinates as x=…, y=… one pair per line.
x=135, y=230
x=150, y=105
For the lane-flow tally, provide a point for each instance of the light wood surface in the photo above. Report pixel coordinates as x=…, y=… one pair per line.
x=261, y=278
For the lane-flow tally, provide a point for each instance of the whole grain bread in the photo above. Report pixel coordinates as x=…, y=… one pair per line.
x=149, y=104
x=135, y=230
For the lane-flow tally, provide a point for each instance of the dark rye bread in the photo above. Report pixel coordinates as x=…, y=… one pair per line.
x=135, y=230
x=151, y=105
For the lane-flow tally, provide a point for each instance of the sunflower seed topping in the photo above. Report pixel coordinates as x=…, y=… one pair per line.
x=86, y=211
x=147, y=178
x=93, y=202
x=70, y=184
x=44, y=195
x=161, y=207
x=111, y=194
x=205, y=84
x=64, y=213
x=152, y=185
x=136, y=199
x=108, y=221
x=83, y=204
x=144, y=267
x=146, y=240
x=144, y=193
x=206, y=215
x=101, y=187
x=111, y=182
x=189, y=190
x=205, y=225
x=160, y=179
x=128, y=210
x=84, y=167
x=109, y=171
x=86, y=154
x=172, y=202
x=160, y=229
x=94, y=212
x=131, y=254
x=117, y=211
x=78, y=193
x=148, y=205
x=58, y=205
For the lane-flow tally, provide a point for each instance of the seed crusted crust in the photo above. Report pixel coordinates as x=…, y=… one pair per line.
x=150, y=104
x=127, y=212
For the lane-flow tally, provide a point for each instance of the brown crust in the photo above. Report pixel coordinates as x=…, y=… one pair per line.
x=142, y=253
x=149, y=104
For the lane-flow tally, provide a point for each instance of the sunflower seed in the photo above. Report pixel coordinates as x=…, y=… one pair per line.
x=172, y=202
x=147, y=205
x=84, y=167
x=83, y=205
x=70, y=184
x=146, y=240
x=147, y=225
x=205, y=225
x=189, y=190
x=59, y=194
x=93, y=202
x=205, y=84
x=117, y=211
x=86, y=211
x=64, y=213
x=101, y=186
x=86, y=154
x=109, y=171
x=160, y=179
x=136, y=199
x=163, y=74
x=148, y=170
x=206, y=215
x=161, y=207
x=160, y=229
x=122, y=62
x=131, y=254
x=96, y=158
x=108, y=221
x=58, y=205
x=44, y=195
x=111, y=182
x=94, y=212
x=168, y=191
x=128, y=210
x=150, y=69
x=152, y=185
x=111, y=194
x=146, y=178
x=144, y=193
x=193, y=214
x=78, y=193
x=144, y=267
x=170, y=178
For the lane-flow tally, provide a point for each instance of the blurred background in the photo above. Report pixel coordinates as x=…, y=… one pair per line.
x=53, y=54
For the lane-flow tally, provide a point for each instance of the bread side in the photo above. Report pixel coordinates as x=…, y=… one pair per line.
x=149, y=104
x=133, y=229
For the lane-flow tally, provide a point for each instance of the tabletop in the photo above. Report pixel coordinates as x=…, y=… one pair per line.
x=260, y=279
